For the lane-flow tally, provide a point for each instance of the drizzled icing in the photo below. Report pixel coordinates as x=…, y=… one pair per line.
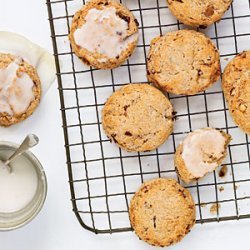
x=201, y=150
x=16, y=91
x=104, y=32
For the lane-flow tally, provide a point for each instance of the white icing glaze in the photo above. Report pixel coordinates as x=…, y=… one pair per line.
x=16, y=92
x=104, y=32
x=198, y=146
x=19, y=187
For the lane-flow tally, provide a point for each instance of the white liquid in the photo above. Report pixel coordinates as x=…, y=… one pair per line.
x=19, y=187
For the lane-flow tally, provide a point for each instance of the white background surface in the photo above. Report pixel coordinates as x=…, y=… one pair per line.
x=56, y=226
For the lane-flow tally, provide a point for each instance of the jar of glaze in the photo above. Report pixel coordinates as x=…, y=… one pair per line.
x=23, y=191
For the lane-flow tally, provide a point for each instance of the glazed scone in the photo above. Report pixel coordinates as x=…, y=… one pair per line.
x=199, y=13
x=104, y=33
x=236, y=88
x=20, y=89
x=138, y=117
x=183, y=62
x=200, y=153
x=162, y=212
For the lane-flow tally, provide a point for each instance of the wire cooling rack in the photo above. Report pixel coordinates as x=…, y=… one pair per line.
x=102, y=177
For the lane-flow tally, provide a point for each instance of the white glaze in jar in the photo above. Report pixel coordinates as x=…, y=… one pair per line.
x=17, y=188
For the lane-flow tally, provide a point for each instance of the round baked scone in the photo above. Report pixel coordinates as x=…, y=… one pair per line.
x=104, y=33
x=198, y=13
x=183, y=62
x=236, y=88
x=20, y=89
x=138, y=117
x=162, y=212
x=200, y=153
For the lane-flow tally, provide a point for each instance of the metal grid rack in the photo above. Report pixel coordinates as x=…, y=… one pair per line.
x=103, y=177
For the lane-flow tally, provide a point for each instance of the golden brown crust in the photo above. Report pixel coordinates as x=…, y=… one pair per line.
x=6, y=119
x=236, y=88
x=181, y=167
x=97, y=60
x=162, y=212
x=183, y=62
x=199, y=13
x=138, y=117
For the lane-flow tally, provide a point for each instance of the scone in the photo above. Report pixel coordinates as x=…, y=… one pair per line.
x=236, y=88
x=20, y=89
x=200, y=153
x=183, y=62
x=104, y=33
x=199, y=13
x=138, y=117
x=162, y=212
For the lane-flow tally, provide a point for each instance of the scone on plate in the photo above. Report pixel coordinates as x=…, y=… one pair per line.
x=162, y=212
x=198, y=13
x=200, y=153
x=236, y=88
x=104, y=33
x=20, y=89
x=183, y=62
x=138, y=117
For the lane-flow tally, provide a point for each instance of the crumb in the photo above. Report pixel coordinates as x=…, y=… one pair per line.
x=226, y=59
x=214, y=208
x=221, y=189
x=223, y=171
x=237, y=186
